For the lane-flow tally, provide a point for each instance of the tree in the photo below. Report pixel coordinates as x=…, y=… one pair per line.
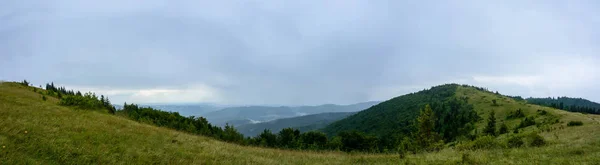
x=313, y=140
x=490, y=129
x=230, y=134
x=25, y=83
x=288, y=138
x=503, y=129
x=357, y=141
x=267, y=139
x=426, y=136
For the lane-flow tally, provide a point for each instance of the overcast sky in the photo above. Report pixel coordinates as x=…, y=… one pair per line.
x=300, y=52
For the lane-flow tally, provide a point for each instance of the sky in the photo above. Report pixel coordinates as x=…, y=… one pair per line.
x=266, y=52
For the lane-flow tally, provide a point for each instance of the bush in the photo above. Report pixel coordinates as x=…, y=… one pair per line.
x=535, y=140
x=514, y=141
x=515, y=114
x=528, y=121
x=44, y=97
x=574, y=123
x=503, y=129
x=542, y=112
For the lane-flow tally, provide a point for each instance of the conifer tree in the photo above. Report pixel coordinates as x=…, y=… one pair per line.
x=426, y=125
x=490, y=129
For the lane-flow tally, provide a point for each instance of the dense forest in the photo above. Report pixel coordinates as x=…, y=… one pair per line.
x=393, y=120
x=568, y=104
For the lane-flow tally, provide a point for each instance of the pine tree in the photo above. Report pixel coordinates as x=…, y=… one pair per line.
x=490, y=129
x=426, y=124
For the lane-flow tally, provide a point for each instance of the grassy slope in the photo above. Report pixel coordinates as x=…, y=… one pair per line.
x=59, y=135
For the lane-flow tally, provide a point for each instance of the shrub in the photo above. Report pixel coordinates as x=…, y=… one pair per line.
x=574, y=123
x=542, y=112
x=528, y=121
x=515, y=114
x=44, y=97
x=514, y=141
x=535, y=140
x=503, y=129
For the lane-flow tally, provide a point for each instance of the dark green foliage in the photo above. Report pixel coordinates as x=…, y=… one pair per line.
x=288, y=138
x=267, y=139
x=24, y=83
x=44, y=97
x=542, y=112
x=313, y=140
x=392, y=116
x=528, y=121
x=393, y=119
x=535, y=140
x=568, y=104
x=490, y=128
x=494, y=102
x=426, y=135
x=503, y=129
x=357, y=141
x=230, y=134
x=574, y=123
x=514, y=142
x=515, y=114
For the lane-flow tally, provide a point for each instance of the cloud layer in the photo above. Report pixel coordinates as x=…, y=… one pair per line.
x=308, y=52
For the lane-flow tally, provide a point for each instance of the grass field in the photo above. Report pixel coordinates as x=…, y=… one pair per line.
x=33, y=131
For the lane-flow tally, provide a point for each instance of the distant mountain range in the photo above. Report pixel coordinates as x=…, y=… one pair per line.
x=238, y=116
x=302, y=123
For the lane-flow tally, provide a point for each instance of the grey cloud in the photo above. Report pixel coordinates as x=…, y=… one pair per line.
x=305, y=52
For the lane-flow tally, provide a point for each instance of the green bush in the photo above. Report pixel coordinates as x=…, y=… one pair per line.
x=575, y=123
x=515, y=114
x=44, y=97
x=528, y=121
x=503, y=129
x=514, y=141
x=535, y=140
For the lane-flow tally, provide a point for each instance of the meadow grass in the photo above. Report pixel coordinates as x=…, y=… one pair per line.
x=63, y=135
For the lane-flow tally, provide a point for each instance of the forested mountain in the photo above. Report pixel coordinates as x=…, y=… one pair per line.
x=396, y=116
x=567, y=103
x=267, y=113
x=302, y=123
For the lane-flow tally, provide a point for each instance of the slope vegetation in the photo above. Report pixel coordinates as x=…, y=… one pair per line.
x=33, y=131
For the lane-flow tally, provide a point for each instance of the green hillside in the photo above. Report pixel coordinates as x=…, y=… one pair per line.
x=34, y=131
x=302, y=123
x=396, y=115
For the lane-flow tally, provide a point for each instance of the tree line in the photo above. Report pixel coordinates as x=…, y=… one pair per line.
x=568, y=104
